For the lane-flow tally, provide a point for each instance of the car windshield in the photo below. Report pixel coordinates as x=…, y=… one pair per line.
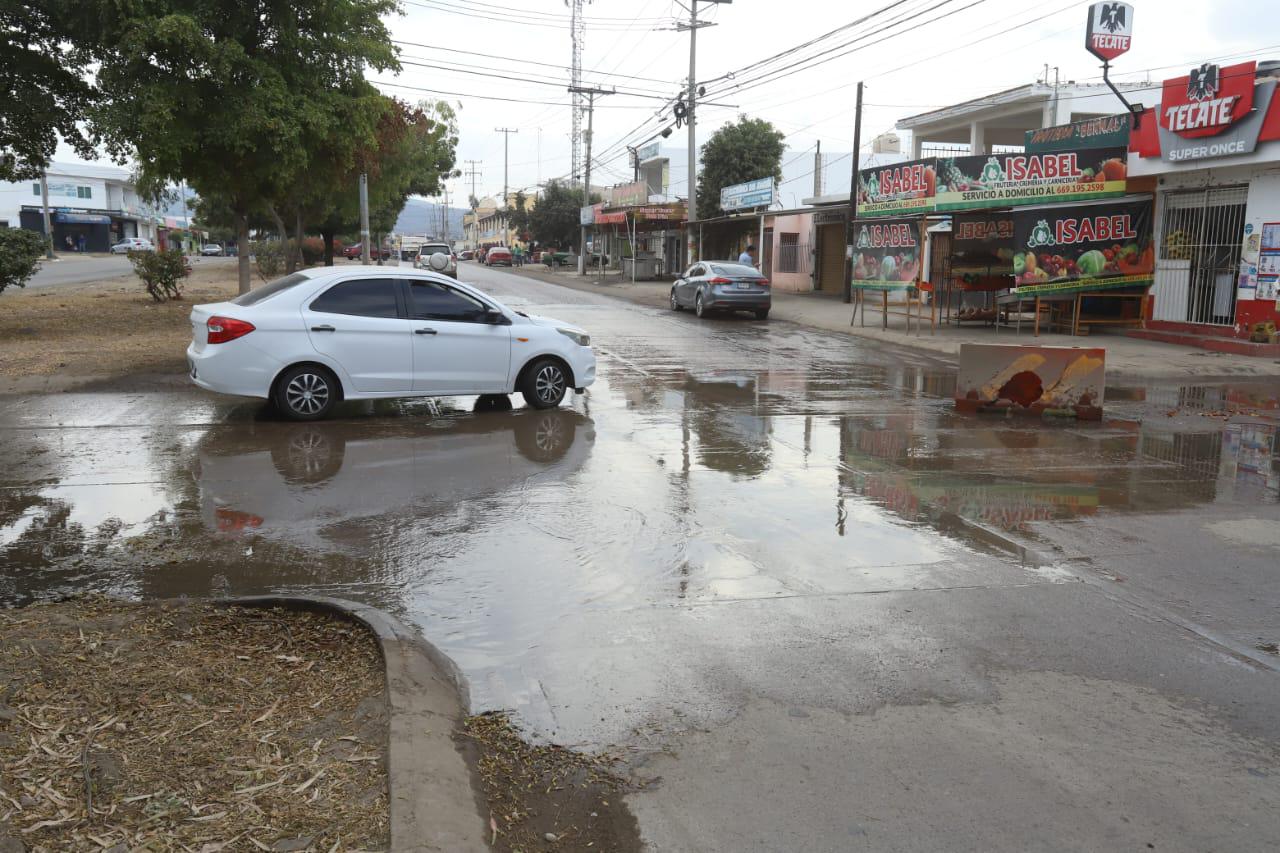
x=253, y=297
x=735, y=269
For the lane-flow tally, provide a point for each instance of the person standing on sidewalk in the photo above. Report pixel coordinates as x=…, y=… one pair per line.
x=749, y=256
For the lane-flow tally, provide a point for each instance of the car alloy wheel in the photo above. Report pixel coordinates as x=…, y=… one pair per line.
x=307, y=393
x=549, y=384
x=675, y=303
x=698, y=307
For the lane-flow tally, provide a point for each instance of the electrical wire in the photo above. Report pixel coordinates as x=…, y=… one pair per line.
x=504, y=17
x=555, y=65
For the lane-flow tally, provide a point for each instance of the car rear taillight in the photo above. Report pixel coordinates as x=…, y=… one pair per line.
x=720, y=281
x=223, y=329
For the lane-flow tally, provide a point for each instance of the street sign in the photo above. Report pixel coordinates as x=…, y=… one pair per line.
x=757, y=193
x=1110, y=31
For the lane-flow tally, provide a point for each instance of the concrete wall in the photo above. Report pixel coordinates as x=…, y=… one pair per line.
x=800, y=224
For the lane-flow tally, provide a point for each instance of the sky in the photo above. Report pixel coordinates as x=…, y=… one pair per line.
x=507, y=65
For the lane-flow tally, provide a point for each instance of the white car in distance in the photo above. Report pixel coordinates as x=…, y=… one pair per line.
x=313, y=338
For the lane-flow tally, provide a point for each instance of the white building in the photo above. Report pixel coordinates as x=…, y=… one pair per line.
x=95, y=203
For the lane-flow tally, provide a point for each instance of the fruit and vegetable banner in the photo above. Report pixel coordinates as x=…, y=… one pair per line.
x=897, y=190
x=886, y=254
x=1005, y=180
x=1089, y=247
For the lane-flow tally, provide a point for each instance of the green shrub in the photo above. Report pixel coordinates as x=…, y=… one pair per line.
x=20, y=254
x=270, y=258
x=161, y=272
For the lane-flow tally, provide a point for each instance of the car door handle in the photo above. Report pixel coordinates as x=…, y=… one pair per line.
x=425, y=332
x=323, y=329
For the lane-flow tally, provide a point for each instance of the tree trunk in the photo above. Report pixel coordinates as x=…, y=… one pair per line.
x=298, y=229
x=242, y=251
x=327, y=236
x=378, y=242
x=290, y=256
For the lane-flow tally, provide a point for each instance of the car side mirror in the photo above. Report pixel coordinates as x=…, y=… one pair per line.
x=495, y=317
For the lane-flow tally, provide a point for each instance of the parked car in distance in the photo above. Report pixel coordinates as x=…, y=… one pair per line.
x=556, y=259
x=321, y=335
x=428, y=249
x=132, y=244
x=466, y=255
x=497, y=256
x=722, y=286
x=210, y=250
x=354, y=252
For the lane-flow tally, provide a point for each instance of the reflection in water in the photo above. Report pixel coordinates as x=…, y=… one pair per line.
x=315, y=483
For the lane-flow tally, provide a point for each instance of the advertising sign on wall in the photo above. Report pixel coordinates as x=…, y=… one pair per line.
x=1104, y=132
x=1214, y=111
x=757, y=193
x=1004, y=180
x=1088, y=247
x=886, y=254
x=896, y=190
x=984, y=233
x=1110, y=31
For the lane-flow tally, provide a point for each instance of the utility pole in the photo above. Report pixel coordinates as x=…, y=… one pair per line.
x=473, y=173
x=853, y=196
x=690, y=118
x=506, y=137
x=48, y=227
x=586, y=181
x=577, y=33
x=817, y=170
x=364, y=220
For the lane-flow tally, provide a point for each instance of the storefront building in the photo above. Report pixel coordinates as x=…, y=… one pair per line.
x=1213, y=147
x=89, y=205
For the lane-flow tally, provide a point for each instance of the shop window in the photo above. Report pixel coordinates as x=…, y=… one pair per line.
x=84, y=192
x=1200, y=248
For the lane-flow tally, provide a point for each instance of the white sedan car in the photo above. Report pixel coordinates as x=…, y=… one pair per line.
x=132, y=244
x=318, y=336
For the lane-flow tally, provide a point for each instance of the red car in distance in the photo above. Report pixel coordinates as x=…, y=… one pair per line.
x=497, y=256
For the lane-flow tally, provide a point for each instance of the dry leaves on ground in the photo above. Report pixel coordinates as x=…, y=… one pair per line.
x=189, y=727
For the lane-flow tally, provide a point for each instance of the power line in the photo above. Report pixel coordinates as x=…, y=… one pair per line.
x=502, y=16
x=499, y=98
x=523, y=79
x=527, y=61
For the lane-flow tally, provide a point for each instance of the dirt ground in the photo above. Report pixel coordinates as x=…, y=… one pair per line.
x=102, y=329
x=185, y=726
x=547, y=797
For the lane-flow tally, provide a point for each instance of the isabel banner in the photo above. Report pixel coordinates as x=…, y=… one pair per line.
x=981, y=233
x=886, y=254
x=1005, y=180
x=897, y=190
x=1088, y=247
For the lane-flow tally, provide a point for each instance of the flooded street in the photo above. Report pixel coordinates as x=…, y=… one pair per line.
x=820, y=609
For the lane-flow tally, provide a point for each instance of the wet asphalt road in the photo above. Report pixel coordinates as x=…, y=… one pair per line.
x=819, y=610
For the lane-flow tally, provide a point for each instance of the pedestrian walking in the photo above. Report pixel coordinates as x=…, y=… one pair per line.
x=749, y=256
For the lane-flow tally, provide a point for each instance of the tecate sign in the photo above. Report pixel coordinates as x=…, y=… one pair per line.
x=1110, y=31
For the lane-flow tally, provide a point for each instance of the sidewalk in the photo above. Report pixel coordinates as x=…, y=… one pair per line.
x=1126, y=357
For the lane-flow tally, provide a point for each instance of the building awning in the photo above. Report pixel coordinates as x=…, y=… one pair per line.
x=82, y=218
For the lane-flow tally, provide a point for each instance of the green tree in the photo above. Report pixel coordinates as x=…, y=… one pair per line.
x=737, y=153
x=555, y=219
x=46, y=89
x=234, y=97
x=20, y=254
x=412, y=151
x=520, y=215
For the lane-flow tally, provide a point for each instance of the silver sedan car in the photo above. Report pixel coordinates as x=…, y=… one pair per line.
x=722, y=286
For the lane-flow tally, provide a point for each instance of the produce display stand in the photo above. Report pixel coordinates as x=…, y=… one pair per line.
x=860, y=289
x=1073, y=297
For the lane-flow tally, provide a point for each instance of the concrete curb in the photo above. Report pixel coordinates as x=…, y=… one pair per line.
x=432, y=801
